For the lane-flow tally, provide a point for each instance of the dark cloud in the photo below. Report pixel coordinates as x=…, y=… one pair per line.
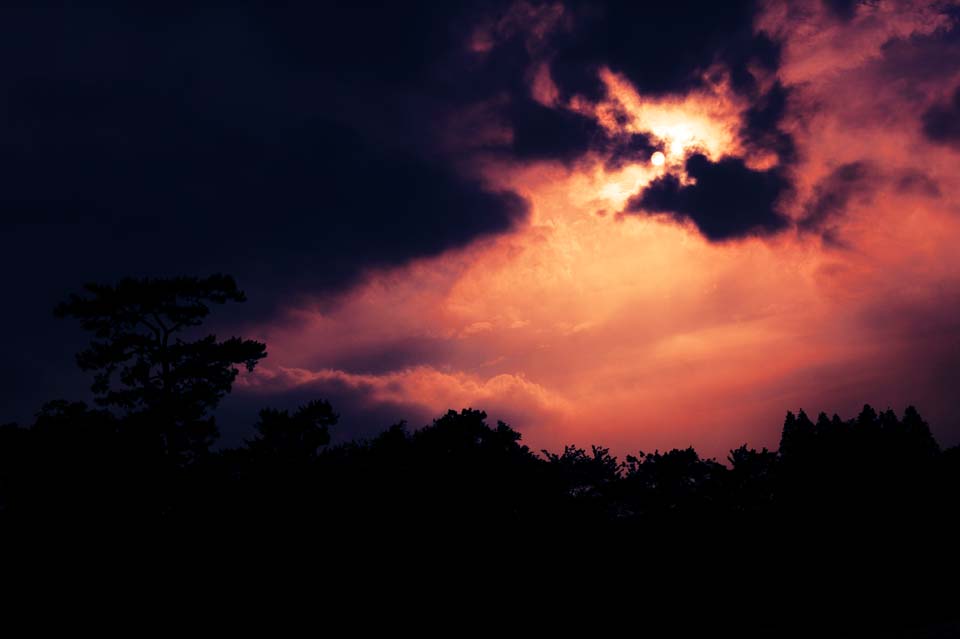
x=832, y=194
x=541, y=132
x=923, y=58
x=761, y=129
x=294, y=148
x=389, y=355
x=843, y=9
x=193, y=128
x=544, y=133
x=629, y=148
x=662, y=47
x=728, y=200
x=278, y=143
x=917, y=182
x=941, y=122
x=311, y=207
x=856, y=182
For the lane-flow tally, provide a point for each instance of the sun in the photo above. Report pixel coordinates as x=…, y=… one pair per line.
x=657, y=159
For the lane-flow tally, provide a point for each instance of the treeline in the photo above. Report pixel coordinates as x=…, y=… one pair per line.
x=81, y=465
x=144, y=453
x=864, y=506
x=850, y=528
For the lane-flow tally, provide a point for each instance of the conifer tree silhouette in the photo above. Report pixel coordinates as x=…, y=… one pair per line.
x=143, y=365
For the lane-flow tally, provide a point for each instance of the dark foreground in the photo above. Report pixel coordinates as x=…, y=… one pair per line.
x=849, y=529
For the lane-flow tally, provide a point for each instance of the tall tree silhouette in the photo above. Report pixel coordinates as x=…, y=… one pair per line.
x=144, y=367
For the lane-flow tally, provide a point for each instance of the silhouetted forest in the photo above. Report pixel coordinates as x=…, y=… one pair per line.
x=146, y=449
x=144, y=455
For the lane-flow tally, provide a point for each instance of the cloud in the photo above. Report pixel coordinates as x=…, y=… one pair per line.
x=245, y=137
x=543, y=132
x=294, y=148
x=843, y=9
x=413, y=196
x=941, y=122
x=635, y=331
x=660, y=48
x=725, y=199
x=201, y=131
x=761, y=126
x=409, y=393
x=552, y=60
x=832, y=194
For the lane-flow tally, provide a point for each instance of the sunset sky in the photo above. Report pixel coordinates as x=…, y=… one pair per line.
x=644, y=225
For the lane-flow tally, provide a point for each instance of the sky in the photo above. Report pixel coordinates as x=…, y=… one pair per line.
x=644, y=225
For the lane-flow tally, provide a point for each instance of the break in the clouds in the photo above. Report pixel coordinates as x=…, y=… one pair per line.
x=631, y=223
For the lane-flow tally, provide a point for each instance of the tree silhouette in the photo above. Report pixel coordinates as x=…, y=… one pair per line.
x=752, y=479
x=585, y=474
x=297, y=437
x=677, y=482
x=144, y=367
